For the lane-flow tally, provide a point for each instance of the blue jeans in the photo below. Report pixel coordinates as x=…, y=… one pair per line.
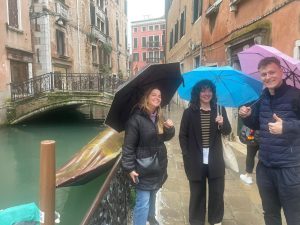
x=144, y=206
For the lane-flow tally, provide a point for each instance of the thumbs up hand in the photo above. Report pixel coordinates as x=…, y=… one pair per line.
x=276, y=127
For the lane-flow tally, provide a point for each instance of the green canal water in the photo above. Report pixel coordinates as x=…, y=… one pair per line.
x=19, y=161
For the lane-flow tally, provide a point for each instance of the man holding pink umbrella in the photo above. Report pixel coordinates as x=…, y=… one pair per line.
x=277, y=117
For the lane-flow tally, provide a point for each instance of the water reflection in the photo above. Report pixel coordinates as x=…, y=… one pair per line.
x=19, y=159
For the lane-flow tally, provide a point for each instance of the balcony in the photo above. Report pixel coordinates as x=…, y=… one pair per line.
x=62, y=10
x=153, y=44
x=213, y=9
x=96, y=33
x=153, y=60
x=233, y=5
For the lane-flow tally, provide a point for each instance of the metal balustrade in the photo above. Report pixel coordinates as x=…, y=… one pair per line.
x=112, y=205
x=70, y=82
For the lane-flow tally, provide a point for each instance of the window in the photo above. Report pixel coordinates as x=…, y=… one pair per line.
x=94, y=54
x=93, y=14
x=162, y=54
x=102, y=26
x=98, y=23
x=126, y=39
x=171, y=39
x=197, y=61
x=101, y=56
x=135, y=29
x=297, y=49
x=150, y=28
x=182, y=24
x=144, y=42
x=163, y=39
x=144, y=29
x=125, y=7
x=150, y=43
x=197, y=9
x=150, y=56
x=144, y=56
x=156, y=55
x=13, y=13
x=117, y=32
x=100, y=4
x=60, y=43
x=176, y=33
x=163, y=26
x=36, y=25
x=106, y=23
x=135, y=57
x=19, y=71
x=135, y=42
x=156, y=27
x=156, y=41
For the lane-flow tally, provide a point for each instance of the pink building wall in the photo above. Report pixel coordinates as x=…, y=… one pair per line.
x=152, y=47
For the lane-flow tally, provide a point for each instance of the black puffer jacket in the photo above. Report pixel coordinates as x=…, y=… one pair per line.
x=278, y=150
x=142, y=141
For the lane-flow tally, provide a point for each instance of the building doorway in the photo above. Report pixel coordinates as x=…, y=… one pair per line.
x=19, y=71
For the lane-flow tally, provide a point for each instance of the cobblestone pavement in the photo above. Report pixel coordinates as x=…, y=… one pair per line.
x=242, y=202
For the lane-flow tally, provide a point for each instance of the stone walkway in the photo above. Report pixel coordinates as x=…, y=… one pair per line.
x=242, y=202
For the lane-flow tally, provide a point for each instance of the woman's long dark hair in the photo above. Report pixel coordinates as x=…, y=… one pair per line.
x=198, y=87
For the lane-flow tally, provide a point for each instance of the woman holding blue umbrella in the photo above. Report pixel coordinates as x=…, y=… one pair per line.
x=200, y=141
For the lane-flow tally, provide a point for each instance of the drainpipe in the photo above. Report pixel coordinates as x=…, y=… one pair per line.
x=78, y=36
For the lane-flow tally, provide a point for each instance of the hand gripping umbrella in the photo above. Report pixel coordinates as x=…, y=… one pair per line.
x=165, y=77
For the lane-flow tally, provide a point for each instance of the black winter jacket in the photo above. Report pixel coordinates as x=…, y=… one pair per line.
x=142, y=141
x=190, y=139
x=278, y=150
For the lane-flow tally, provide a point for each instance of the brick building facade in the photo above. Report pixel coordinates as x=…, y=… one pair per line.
x=61, y=36
x=216, y=30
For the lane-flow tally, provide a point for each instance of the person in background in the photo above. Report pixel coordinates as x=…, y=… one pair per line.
x=200, y=141
x=145, y=133
x=277, y=117
x=250, y=138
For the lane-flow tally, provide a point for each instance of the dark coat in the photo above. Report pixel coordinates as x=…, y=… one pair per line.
x=278, y=150
x=190, y=139
x=142, y=141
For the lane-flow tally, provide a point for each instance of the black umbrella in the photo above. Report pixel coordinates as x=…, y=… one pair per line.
x=166, y=77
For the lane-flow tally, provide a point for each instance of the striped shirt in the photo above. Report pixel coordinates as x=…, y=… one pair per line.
x=205, y=127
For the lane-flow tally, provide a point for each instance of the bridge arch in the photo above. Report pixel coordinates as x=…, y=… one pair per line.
x=22, y=110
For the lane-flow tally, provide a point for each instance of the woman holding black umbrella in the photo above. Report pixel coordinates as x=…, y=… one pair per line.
x=200, y=141
x=144, y=154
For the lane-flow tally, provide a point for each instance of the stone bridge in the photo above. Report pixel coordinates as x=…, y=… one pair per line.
x=51, y=91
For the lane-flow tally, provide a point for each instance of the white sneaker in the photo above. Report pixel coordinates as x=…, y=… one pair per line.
x=218, y=223
x=246, y=179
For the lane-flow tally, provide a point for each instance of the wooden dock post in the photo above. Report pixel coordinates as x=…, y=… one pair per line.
x=47, y=181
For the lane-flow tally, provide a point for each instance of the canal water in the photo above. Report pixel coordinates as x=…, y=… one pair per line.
x=19, y=160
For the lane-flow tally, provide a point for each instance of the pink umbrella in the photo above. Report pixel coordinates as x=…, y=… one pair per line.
x=250, y=58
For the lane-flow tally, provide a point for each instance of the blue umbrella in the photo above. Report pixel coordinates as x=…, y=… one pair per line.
x=234, y=88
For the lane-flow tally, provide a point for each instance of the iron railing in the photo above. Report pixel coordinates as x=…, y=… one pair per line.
x=70, y=82
x=112, y=204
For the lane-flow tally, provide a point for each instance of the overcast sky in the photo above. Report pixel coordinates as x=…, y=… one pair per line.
x=137, y=9
x=141, y=9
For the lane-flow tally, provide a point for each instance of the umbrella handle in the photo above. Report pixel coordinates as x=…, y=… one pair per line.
x=219, y=110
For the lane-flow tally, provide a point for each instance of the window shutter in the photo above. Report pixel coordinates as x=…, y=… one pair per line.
x=92, y=12
x=13, y=13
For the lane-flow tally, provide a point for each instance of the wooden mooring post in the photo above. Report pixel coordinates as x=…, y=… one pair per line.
x=47, y=181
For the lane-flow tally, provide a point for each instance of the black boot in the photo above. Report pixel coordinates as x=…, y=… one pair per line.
x=153, y=221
